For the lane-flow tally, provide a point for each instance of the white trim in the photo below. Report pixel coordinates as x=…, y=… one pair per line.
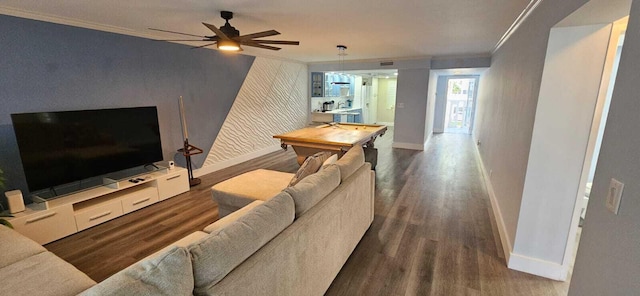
x=533, y=4
x=538, y=267
x=385, y=123
x=426, y=142
x=516, y=261
x=72, y=22
x=502, y=228
x=410, y=146
x=231, y=162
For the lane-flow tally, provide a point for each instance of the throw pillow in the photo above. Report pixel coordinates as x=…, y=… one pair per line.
x=310, y=166
x=331, y=160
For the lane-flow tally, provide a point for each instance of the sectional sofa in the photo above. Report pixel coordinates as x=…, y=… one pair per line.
x=293, y=243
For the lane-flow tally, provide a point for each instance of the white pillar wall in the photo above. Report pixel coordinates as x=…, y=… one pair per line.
x=568, y=94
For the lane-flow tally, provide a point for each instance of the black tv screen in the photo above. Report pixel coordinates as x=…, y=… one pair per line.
x=57, y=148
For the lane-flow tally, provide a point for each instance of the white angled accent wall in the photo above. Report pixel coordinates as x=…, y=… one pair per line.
x=272, y=100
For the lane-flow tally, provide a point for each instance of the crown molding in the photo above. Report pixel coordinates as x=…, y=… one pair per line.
x=533, y=4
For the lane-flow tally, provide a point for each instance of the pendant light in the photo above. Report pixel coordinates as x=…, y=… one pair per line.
x=341, y=55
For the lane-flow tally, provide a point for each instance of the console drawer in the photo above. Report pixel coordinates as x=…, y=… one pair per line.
x=173, y=184
x=48, y=225
x=140, y=199
x=97, y=214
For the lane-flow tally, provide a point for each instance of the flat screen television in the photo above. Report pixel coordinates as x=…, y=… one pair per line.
x=58, y=148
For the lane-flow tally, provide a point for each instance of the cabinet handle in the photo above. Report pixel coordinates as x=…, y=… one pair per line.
x=100, y=216
x=140, y=201
x=41, y=217
x=174, y=177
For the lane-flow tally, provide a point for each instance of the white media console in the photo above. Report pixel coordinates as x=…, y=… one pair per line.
x=60, y=217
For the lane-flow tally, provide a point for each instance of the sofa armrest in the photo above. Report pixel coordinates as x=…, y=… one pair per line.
x=228, y=219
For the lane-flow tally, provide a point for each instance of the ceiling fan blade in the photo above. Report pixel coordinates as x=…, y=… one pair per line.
x=201, y=46
x=283, y=42
x=258, y=35
x=196, y=40
x=260, y=45
x=215, y=29
x=186, y=34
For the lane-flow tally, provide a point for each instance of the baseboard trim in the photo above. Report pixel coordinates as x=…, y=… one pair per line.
x=507, y=248
x=538, y=267
x=516, y=261
x=231, y=162
x=410, y=146
x=438, y=131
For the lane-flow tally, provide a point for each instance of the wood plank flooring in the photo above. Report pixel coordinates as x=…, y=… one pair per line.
x=432, y=234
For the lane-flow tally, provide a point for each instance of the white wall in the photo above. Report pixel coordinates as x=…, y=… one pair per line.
x=507, y=99
x=386, y=100
x=271, y=101
x=608, y=261
x=431, y=105
x=564, y=115
x=440, y=104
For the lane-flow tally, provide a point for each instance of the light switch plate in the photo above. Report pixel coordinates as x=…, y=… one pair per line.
x=614, y=195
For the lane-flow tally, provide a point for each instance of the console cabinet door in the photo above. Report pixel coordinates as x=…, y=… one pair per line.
x=172, y=184
x=47, y=226
x=98, y=214
x=140, y=199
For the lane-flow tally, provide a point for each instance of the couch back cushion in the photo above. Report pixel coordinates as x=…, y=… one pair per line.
x=167, y=274
x=312, y=189
x=350, y=162
x=15, y=247
x=220, y=252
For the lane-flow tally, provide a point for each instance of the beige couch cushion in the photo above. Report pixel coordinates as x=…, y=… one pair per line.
x=167, y=274
x=350, y=162
x=241, y=190
x=183, y=242
x=228, y=219
x=310, y=166
x=15, y=247
x=42, y=274
x=219, y=253
x=314, y=188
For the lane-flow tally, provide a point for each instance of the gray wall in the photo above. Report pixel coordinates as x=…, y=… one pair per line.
x=507, y=100
x=50, y=67
x=608, y=261
x=411, y=107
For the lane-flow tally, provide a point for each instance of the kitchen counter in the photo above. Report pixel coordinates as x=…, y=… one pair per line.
x=338, y=115
x=339, y=111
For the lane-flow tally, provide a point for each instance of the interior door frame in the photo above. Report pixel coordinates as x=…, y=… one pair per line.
x=475, y=99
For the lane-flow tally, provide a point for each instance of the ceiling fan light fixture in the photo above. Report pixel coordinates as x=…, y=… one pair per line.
x=228, y=45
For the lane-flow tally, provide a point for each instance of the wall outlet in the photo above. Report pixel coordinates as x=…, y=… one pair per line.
x=400, y=105
x=614, y=195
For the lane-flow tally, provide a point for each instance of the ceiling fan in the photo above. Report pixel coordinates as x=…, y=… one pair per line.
x=228, y=37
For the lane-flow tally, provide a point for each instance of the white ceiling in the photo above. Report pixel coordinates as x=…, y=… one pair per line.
x=372, y=29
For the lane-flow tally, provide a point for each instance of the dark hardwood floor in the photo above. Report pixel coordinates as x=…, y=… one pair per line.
x=433, y=232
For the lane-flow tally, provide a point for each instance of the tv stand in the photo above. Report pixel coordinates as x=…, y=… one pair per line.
x=50, y=220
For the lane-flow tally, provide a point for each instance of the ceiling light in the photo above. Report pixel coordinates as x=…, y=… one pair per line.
x=341, y=54
x=228, y=45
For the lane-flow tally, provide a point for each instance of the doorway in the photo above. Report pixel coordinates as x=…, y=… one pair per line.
x=597, y=130
x=460, y=108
